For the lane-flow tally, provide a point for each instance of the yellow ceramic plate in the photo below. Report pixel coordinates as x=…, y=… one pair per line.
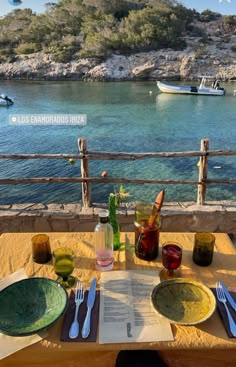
x=183, y=301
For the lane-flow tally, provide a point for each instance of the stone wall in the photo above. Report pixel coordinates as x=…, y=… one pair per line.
x=176, y=217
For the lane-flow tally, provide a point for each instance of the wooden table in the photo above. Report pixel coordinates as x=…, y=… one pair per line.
x=207, y=343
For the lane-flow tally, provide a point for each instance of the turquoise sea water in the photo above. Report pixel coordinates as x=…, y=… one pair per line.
x=121, y=116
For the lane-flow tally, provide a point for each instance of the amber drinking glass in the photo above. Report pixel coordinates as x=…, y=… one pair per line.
x=41, y=250
x=171, y=260
x=63, y=261
x=203, y=250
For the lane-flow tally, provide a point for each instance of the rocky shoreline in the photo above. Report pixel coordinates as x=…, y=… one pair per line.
x=216, y=59
x=213, y=54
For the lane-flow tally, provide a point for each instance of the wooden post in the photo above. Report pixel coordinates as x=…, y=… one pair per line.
x=203, y=168
x=84, y=165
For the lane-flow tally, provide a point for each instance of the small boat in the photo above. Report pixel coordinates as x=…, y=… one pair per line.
x=5, y=100
x=213, y=90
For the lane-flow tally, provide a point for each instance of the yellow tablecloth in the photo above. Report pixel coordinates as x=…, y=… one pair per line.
x=206, y=343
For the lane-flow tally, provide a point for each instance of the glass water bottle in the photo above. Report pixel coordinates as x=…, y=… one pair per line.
x=104, y=242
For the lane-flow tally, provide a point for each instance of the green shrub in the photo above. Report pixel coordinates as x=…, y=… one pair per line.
x=204, y=40
x=233, y=48
x=230, y=22
x=7, y=55
x=27, y=48
x=196, y=31
x=199, y=50
x=227, y=39
x=64, y=50
x=208, y=15
x=62, y=56
x=99, y=28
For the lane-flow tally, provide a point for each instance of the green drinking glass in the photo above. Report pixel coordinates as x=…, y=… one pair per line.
x=63, y=262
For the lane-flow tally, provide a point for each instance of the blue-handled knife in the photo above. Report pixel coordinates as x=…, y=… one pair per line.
x=90, y=303
x=228, y=295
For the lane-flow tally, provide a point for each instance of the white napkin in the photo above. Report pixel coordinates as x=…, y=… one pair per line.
x=11, y=344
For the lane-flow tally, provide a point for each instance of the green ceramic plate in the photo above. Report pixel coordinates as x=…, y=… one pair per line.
x=31, y=305
x=183, y=301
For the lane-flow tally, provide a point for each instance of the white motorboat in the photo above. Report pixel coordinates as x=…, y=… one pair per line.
x=5, y=100
x=202, y=89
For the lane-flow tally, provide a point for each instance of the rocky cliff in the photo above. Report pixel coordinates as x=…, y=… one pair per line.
x=214, y=55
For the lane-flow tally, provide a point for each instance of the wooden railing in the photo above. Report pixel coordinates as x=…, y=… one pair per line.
x=86, y=180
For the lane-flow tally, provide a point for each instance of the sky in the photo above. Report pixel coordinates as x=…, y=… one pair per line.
x=36, y=5
x=225, y=7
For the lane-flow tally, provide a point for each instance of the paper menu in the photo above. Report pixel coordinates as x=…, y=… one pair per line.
x=126, y=313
